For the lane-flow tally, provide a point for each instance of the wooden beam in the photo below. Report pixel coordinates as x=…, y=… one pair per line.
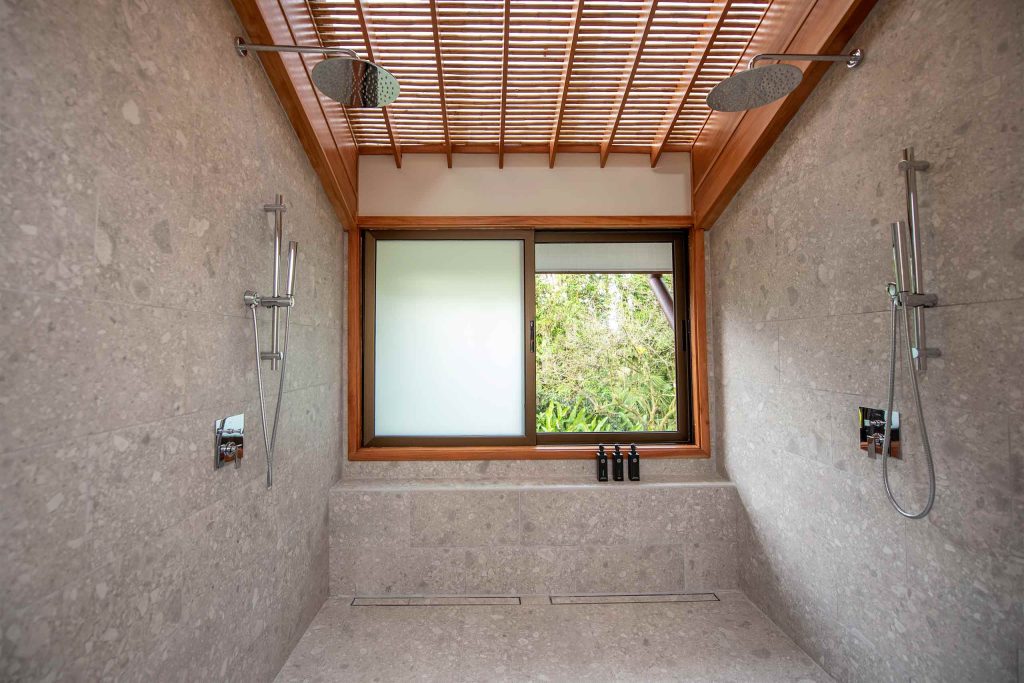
x=265, y=22
x=732, y=144
x=563, y=91
x=504, y=83
x=562, y=222
x=368, y=41
x=354, y=339
x=646, y=20
x=699, y=341
x=435, y=25
x=537, y=148
x=701, y=52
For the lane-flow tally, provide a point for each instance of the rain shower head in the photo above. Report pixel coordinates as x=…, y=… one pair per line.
x=343, y=76
x=757, y=87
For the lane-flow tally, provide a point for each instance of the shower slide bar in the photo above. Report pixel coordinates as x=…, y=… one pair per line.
x=278, y=354
x=912, y=261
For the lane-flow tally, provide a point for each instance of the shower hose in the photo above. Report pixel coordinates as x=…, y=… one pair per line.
x=270, y=438
x=895, y=308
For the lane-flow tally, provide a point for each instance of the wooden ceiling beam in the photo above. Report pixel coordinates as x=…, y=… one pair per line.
x=701, y=51
x=646, y=20
x=563, y=91
x=436, y=27
x=372, y=54
x=504, y=83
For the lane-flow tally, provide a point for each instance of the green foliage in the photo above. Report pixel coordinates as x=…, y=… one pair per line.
x=605, y=355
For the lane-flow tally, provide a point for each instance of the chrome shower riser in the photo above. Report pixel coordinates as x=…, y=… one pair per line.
x=277, y=356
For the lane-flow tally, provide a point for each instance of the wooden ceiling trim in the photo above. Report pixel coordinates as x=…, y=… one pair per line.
x=369, y=43
x=439, y=58
x=636, y=52
x=826, y=28
x=264, y=21
x=565, y=222
x=506, y=26
x=570, y=53
x=688, y=82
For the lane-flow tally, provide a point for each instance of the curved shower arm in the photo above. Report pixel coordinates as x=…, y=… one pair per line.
x=852, y=60
x=243, y=48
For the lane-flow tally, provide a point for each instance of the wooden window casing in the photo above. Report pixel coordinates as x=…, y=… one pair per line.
x=693, y=437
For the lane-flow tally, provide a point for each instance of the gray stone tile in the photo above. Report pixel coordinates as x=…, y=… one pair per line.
x=754, y=350
x=410, y=571
x=711, y=565
x=519, y=570
x=980, y=368
x=847, y=353
x=465, y=518
x=360, y=518
x=578, y=517
x=629, y=569
x=47, y=217
x=963, y=619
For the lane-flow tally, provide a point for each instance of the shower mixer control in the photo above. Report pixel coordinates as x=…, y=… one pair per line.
x=229, y=439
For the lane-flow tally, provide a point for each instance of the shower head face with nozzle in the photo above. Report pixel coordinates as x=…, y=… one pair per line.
x=355, y=83
x=754, y=87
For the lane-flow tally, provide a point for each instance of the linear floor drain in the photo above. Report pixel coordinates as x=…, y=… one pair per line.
x=623, y=599
x=455, y=601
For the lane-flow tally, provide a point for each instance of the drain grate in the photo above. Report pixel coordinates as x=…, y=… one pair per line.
x=469, y=601
x=455, y=601
x=626, y=599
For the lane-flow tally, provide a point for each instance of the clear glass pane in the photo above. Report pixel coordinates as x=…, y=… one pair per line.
x=605, y=355
x=449, y=338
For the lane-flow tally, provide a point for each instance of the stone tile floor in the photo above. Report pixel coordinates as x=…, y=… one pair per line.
x=727, y=640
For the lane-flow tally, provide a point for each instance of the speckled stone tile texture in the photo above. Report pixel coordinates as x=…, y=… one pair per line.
x=137, y=152
x=729, y=640
x=798, y=266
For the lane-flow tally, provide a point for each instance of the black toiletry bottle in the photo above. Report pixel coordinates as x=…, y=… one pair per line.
x=602, y=464
x=617, y=464
x=634, y=463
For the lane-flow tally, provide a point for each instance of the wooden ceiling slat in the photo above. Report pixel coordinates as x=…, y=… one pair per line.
x=607, y=75
x=506, y=26
x=665, y=130
x=440, y=80
x=396, y=146
x=570, y=54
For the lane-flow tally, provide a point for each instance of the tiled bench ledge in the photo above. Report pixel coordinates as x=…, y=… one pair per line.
x=433, y=537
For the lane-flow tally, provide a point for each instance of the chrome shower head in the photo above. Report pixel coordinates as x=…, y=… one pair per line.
x=757, y=87
x=355, y=82
x=344, y=77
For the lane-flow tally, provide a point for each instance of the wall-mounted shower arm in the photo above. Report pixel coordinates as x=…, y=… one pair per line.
x=852, y=60
x=243, y=48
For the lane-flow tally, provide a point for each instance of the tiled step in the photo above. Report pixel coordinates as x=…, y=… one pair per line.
x=480, y=538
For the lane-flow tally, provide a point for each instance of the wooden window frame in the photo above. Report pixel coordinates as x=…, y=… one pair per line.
x=694, y=328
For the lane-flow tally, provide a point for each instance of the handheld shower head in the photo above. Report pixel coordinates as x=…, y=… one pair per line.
x=293, y=249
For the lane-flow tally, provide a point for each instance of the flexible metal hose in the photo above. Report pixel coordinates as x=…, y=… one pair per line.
x=894, y=309
x=270, y=438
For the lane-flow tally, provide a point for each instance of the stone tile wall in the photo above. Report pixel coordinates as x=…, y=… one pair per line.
x=500, y=539
x=798, y=267
x=137, y=150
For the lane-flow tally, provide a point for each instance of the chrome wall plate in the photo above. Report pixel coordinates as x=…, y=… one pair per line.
x=228, y=438
x=872, y=431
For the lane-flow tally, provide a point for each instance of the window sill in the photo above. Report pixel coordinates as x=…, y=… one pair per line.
x=517, y=452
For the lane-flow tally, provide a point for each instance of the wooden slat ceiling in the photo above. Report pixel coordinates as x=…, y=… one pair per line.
x=542, y=76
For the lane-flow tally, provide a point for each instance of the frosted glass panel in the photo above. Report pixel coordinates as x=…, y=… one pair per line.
x=449, y=338
x=605, y=257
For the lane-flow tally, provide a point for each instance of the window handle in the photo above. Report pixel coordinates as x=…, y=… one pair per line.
x=533, y=337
